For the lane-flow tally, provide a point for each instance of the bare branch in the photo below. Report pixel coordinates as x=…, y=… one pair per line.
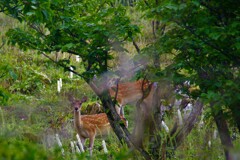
x=37, y=28
x=65, y=67
x=136, y=46
x=2, y=45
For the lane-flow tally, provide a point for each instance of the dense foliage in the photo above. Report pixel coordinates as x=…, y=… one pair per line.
x=88, y=29
x=205, y=35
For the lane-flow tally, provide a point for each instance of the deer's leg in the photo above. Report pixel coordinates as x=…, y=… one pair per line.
x=83, y=142
x=91, y=143
x=80, y=143
x=122, y=111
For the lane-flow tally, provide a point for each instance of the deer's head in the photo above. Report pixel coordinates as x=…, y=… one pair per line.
x=77, y=104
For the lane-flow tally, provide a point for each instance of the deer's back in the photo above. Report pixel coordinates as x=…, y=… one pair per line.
x=96, y=124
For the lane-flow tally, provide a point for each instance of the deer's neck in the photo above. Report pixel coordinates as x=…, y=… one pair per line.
x=77, y=118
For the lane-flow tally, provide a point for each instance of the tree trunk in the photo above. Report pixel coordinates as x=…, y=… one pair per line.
x=155, y=137
x=224, y=133
x=235, y=108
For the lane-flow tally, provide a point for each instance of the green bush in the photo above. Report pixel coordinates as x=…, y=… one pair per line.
x=21, y=150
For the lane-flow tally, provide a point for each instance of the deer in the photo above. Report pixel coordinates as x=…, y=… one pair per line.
x=143, y=91
x=128, y=92
x=90, y=126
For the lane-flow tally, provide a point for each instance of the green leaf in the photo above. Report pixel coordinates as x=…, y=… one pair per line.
x=215, y=35
x=30, y=13
x=13, y=75
x=34, y=7
x=171, y=6
x=237, y=45
x=4, y=96
x=67, y=47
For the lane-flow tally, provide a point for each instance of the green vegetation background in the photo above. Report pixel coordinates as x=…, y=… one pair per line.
x=32, y=111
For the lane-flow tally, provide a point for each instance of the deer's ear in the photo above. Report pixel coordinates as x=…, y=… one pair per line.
x=84, y=99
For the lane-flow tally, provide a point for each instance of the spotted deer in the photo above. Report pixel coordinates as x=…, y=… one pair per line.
x=128, y=92
x=89, y=126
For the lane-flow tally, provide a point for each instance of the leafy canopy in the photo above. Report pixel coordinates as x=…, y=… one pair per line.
x=206, y=37
x=89, y=29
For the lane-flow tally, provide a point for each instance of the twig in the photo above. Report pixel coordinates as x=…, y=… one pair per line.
x=65, y=67
x=136, y=46
x=2, y=45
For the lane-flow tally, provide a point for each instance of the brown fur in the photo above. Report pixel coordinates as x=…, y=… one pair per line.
x=129, y=92
x=89, y=126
